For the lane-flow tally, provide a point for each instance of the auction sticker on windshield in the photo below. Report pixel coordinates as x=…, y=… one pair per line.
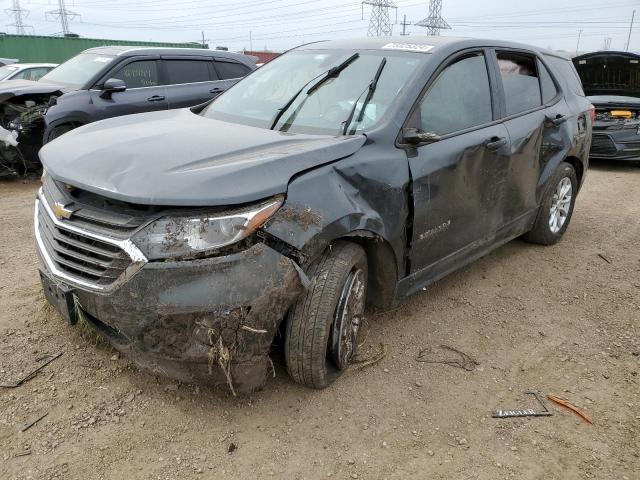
x=408, y=46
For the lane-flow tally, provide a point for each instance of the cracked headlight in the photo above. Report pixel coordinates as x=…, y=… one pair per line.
x=176, y=237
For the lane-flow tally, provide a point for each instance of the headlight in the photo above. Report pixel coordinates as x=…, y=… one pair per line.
x=189, y=237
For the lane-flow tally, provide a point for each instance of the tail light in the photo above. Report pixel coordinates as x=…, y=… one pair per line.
x=592, y=112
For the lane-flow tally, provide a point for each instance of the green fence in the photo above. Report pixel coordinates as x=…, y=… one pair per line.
x=32, y=48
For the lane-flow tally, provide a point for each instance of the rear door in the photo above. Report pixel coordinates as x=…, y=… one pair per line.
x=458, y=181
x=229, y=72
x=144, y=91
x=189, y=80
x=533, y=111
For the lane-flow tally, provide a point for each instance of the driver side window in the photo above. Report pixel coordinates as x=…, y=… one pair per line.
x=139, y=74
x=460, y=98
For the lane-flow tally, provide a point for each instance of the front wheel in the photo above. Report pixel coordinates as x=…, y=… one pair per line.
x=322, y=327
x=557, y=207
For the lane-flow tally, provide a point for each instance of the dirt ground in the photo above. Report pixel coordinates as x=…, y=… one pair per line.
x=562, y=319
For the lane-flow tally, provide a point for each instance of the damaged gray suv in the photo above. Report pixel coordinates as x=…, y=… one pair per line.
x=340, y=174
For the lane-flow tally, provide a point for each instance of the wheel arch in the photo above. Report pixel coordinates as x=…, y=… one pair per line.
x=578, y=166
x=383, y=269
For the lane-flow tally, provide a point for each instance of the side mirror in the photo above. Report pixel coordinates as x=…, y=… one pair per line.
x=413, y=136
x=111, y=86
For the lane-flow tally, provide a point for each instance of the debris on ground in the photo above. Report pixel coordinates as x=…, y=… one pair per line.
x=232, y=448
x=527, y=412
x=361, y=363
x=465, y=361
x=32, y=373
x=570, y=406
x=31, y=423
x=605, y=258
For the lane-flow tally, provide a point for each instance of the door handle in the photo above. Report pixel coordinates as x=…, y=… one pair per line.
x=557, y=120
x=216, y=90
x=156, y=98
x=496, y=142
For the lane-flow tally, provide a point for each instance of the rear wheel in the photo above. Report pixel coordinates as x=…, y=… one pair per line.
x=322, y=327
x=557, y=207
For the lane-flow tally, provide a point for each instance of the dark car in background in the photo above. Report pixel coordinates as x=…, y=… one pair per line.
x=109, y=82
x=611, y=81
x=340, y=173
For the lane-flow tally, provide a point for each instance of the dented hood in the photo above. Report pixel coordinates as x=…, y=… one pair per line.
x=179, y=158
x=15, y=88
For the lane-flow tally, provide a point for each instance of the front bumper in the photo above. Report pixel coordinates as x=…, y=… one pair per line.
x=211, y=320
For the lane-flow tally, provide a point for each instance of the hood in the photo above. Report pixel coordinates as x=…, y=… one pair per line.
x=15, y=88
x=179, y=158
x=609, y=73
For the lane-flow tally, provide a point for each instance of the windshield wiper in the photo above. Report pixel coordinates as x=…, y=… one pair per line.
x=333, y=72
x=371, y=89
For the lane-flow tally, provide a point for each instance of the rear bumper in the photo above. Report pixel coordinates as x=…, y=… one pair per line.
x=617, y=145
x=197, y=321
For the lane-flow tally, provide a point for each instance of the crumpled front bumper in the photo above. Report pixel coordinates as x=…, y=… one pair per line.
x=209, y=320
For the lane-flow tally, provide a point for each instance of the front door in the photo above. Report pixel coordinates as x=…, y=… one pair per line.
x=144, y=91
x=458, y=181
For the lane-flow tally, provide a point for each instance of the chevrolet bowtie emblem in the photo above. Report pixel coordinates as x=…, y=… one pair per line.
x=61, y=211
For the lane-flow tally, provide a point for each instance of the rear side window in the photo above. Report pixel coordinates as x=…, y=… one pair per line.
x=547, y=85
x=520, y=81
x=228, y=70
x=460, y=98
x=565, y=68
x=139, y=74
x=187, y=71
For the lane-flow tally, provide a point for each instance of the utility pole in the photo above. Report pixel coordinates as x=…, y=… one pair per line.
x=18, y=15
x=633, y=16
x=434, y=22
x=380, y=21
x=250, y=41
x=404, y=27
x=64, y=15
x=606, y=43
x=578, y=44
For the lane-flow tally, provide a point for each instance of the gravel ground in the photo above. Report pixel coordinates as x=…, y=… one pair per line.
x=562, y=319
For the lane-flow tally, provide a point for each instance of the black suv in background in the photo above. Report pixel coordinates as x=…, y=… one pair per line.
x=339, y=173
x=109, y=82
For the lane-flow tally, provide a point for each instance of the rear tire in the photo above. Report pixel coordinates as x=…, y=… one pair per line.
x=322, y=326
x=557, y=207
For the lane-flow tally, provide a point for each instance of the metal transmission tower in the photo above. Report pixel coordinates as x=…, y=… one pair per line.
x=18, y=15
x=64, y=16
x=380, y=21
x=434, y=22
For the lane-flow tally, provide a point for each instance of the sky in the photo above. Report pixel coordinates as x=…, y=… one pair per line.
x=282, y=24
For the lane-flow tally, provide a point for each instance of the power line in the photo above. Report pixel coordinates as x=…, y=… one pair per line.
x=380, y=22
x=64, y=15
x=434, y=22
x=18, y=14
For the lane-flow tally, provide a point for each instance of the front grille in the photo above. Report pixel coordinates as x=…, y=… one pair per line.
x=602, y=145
x=79, y=255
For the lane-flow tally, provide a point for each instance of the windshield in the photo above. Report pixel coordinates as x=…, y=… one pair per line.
x=6, y=71
x=78, y=70
x=257, y=100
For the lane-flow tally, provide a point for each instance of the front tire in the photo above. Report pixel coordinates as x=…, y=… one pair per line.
x=322, y=326
x=557, y=207
x=60, y=130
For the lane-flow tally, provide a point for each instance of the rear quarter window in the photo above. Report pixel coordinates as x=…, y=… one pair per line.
x=565, y=69
x=229, y=70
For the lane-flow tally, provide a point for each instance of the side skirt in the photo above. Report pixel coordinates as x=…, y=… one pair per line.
x=434, y=272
